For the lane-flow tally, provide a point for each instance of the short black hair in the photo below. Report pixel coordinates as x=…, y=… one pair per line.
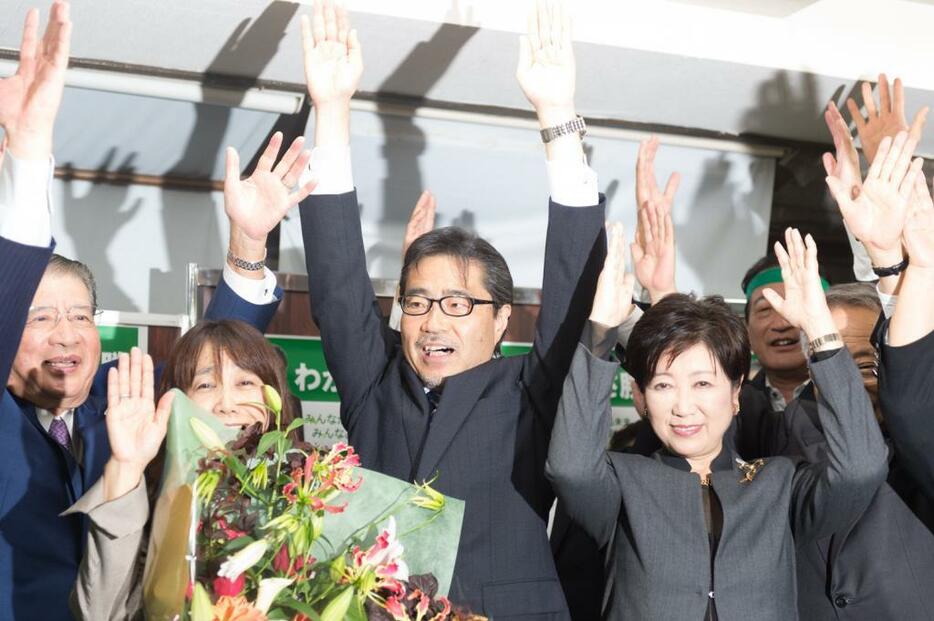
x=680, y=321
x=464, y=247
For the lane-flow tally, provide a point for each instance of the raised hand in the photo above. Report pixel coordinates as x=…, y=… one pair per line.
x=804, y=305
x=255, y=205
x=885, y=121
x=421, y=221
x=30, y=98
x=612, y=301
x=653, y=255
x=876, y=215
x=844, y=165
x=546, y=70
x=333, y=58
x=647, y=189
x=135, y=425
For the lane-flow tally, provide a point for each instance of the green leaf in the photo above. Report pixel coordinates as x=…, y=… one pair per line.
x=297, y=606
x=269, y=438
x=356, y=611
x=336, y=609
x=201, y=607
x=295, y=424
x=236, y=544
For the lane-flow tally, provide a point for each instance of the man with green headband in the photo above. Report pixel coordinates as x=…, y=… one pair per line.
x=775, y=342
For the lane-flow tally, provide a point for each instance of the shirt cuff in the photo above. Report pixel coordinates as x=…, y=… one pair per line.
x=26, y=200
x=331, y=167
x=888, y=302
x=258, y=292
x=625, y=329
x=572, y=183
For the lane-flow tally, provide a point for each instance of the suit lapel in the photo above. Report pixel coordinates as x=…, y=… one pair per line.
x=460, y=394
x=73, y=477
x=91, y=427
x=414, y=409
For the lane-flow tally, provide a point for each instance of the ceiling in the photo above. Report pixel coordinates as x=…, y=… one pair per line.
x=757, y=71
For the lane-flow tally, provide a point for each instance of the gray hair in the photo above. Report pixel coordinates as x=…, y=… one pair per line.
x=854, y=295
x=59, y=265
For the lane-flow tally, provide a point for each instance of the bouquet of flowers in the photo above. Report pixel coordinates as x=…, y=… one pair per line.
x=260, y=526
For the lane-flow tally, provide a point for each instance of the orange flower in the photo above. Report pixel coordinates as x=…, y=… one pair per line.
x=236, y=609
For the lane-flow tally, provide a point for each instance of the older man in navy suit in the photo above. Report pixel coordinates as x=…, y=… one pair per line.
x=53, y=437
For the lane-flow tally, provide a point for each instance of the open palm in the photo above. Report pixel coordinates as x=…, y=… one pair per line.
x=546, y=70
x=877, y=214
x=258, y=203
x=30, y=98
x=135, y=426
x=654, y=254
x=333, y=58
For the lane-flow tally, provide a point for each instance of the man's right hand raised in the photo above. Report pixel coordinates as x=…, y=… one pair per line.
x=30, y=98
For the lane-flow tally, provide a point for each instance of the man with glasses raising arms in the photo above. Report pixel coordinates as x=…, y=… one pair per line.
x=433, y=400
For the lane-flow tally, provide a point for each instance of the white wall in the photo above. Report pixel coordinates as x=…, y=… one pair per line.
x=139, y=239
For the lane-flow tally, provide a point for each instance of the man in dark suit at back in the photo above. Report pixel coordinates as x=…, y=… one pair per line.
x=435, y=400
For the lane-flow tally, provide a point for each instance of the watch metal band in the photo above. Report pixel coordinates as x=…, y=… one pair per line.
x=574, y=126
x=250, y=266
x=815, y=345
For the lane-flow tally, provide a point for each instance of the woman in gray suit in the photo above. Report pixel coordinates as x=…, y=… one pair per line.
x=694, y=532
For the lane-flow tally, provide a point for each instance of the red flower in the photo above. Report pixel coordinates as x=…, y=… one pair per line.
x=231, y=588
x=281, y=562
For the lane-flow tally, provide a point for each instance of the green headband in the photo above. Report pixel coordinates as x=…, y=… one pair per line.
x=770, y=276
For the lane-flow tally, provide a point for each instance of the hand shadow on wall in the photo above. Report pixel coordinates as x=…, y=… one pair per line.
x=240, y=62
x=404, y=141
x=94, y=219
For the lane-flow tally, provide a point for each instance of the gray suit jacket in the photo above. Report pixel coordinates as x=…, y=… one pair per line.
x=108, y=585
x=648, y=510
x=879, y=569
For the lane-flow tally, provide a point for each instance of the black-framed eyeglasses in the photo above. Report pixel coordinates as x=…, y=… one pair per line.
x=451, y=305
x=47, y=317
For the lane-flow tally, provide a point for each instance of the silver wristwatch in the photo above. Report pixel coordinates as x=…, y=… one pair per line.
x=250, y=266
x=575, y=126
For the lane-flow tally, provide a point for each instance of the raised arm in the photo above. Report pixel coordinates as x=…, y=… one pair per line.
x=356, y=343
x=254, y=206
x=653, y=251
x=875, y=210
x=29, y=102
x=117, y=506
x=574, y=246
x=906, y=361
x=885, y=119
x=828, y=495
x=578, y=465
x=421, y=220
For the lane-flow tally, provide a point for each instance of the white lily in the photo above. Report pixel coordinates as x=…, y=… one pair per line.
x=269, y=588
x=242, y=560
x=207, y=436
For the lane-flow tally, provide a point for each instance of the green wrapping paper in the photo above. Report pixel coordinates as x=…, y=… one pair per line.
x=430, y=539
x=431, y=548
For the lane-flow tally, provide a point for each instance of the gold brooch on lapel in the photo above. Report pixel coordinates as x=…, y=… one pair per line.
x=750, y=469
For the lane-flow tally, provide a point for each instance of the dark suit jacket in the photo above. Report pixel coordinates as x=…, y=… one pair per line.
x=880, y=568
x=906, y=393
x=489, y=437
x=39, y=551
x=648, y=511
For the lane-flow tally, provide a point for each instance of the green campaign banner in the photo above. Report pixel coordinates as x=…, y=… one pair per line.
x=622, y=391
x=116, y=339
x=310, y=381
x=307, y=373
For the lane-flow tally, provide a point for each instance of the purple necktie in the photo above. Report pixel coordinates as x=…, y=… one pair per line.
x=59, y=432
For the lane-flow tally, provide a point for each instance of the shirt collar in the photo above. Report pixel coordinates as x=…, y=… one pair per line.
x=45, y=419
